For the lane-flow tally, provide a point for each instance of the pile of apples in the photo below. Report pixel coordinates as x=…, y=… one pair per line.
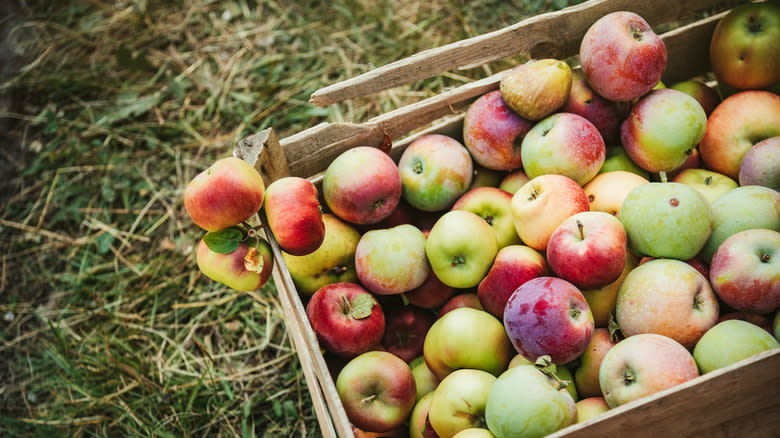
x=594, y=238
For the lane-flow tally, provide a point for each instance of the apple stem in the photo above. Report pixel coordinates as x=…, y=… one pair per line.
x=580, y=228
x=614, y=328
x=345, y=306
x=368, y=399
x=545, y=366
x=662, y=174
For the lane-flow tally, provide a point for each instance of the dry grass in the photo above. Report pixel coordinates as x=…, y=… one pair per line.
x=107, y=326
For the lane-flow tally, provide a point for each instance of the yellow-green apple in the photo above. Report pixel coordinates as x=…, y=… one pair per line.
x=292, y=211
x=740, y=209
x=431, y=294
x=662, y=128
x=536, y=89
x=707, y=97
x=227, y=193
x=667, y=297
x=739, y=122
x=542, y=204
x=618, y=159
x=458, y=402
x=588, y=249
x=467, y=338
x=419, y=427
x=346, y=318
x=493, y=205
x=586, y=376
x=745, y=271
x=484, y=177
x=405, y=330
x=729, y=342
x=591, y=407
x=710, y=184
x=561, y=372
x=524, y=402
x=435, y=169
x=764, y=321
x=666, y=219
x=642, y=365
x=513, y=266
x=513, y=181
x=424, y=379
x=246, y=268
x=474, y=432
x=759, y=166
x=465, y=299
x=605, y=114
x=776, y=325
x=377, y=391
x=602, y=300
x=744, y=52
x=461, y=247
x=622, y=58
x=607, y=190
x=565, y=144
x=548, y=316
x=362, y=185
x=493, y=133
x=392, y=261
x=332, y=262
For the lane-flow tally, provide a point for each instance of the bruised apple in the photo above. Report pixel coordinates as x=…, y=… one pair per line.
x=244, y=269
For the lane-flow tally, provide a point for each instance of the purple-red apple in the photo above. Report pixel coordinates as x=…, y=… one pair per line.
x=405, y=330
x=622, y=58
x=292, y=211
x=513, y=266
x=548, y=316
x=227, y=193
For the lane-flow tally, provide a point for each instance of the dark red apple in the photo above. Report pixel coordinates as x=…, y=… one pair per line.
x=405, y=330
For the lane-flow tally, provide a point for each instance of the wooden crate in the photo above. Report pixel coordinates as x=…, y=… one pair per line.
x=738, y=401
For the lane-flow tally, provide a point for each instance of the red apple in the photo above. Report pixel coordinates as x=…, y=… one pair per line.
x=588, y=249
x=431, y=294
x=346, y=318
x=548, y=316
x=622, y=58
x=470, y=300
x=605, y=114
x=229, y=192
x=586, y=376
x=292, y=210
x=405, y=330
x=513, y=266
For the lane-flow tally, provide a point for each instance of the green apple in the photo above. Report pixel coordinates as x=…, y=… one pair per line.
x=458, y=402
x=618, y=159
x=666, y=220
x=246, y=268
x=562, y=372
x=525, y=403
x=423, y=377
x=729, y=342
x=493, y=205
x=460, y=248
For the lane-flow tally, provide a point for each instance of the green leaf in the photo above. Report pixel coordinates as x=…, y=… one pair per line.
x=223, y=241
x=362, y=306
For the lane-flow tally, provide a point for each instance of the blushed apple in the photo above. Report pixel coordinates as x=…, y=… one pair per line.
x=605, y=114
x=666, y=220
x=292, y=211
x=493, y=133
x=493, y=205
x=565, y=144
x=435, y=169
x=760, y=163
x=745, y=271
x=707, y=97
x=588, y=249
x=662, y=128
x=710, y=184
x=614, y=49
x=465, y=299
x=667, y=297
x=561, y=372
x=332, y=262
x=739, y=122
x=548, y=316
x=460, y=248
x=431, y=294
x=467, y=338
x=513, y=181
x=418, y=419
x=513, y=266
x=542, y=204
x=591, y=407
x=227, y=193
x=607, y=191
x=377, y=391
x=729, y=342
x=642, y=365
x=458, y=402
x=244, y=269
x=586, y=376
x=474, y=432
x=392, y=261
x=346, y=318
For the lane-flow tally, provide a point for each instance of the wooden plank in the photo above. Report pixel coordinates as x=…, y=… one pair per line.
x=264, y=152
x=551, y=35
x=743, y=398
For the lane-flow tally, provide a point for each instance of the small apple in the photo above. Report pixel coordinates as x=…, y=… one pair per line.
x=707, y=97
x=474, y=432
x=419, y=426
x=245, y=268
x=484, y=177
x=424, y=379
x=605, y=114
x=458, y=402
x=228, y=192
x=729, y=342
x=293, y=214
x=618, y=159
x=513, y=181
x=431, y=294
x=591, y=407
x=536, y=89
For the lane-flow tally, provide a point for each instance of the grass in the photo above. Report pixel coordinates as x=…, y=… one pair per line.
x=107, y=328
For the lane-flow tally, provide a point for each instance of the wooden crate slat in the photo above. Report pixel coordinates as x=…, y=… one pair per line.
x=555, y=34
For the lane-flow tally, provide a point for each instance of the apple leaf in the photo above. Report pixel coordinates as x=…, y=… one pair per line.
x=362, y=306
x=223, y=241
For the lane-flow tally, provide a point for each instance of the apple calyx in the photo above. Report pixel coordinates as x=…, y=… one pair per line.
x=765, y=257
x=636, y=33
x=545, y=365
x=628, y=377
x=361, y=306
x=458, y=260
